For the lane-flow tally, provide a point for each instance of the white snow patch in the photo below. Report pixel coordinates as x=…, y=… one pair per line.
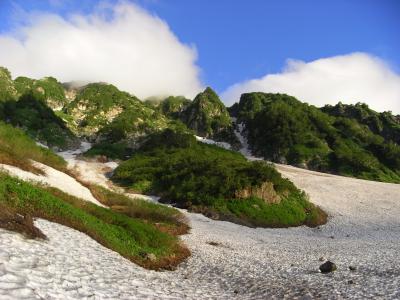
x=54, y=178
x=212, y=142
x=97, y=172
x=42, y=145
x=245, y=150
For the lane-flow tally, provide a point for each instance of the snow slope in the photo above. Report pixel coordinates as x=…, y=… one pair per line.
x=243, y=263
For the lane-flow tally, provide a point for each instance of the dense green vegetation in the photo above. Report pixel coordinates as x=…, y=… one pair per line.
x=282, y=129
x=208, y=117
x=17, y=149
x=39, y=121
x=350, y=140
x=385, y=124
x=48, y=89
x=133, y=123
x=133, y=238
x=118, y=150
x=7, y=89
x=211, y=180
x=174, y=106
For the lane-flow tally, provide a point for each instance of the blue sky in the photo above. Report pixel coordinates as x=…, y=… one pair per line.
x=238, y=40
x=242, y=40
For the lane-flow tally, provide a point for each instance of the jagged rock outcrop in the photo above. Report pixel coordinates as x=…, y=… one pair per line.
x=96, y=105
x=266, y=192
x=207, y=115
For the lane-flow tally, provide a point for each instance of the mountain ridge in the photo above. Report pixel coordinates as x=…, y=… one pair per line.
x=351, y=140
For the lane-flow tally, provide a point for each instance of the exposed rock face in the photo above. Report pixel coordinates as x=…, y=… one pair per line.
x=70, y=94
x=96, y=105
x=266, y=192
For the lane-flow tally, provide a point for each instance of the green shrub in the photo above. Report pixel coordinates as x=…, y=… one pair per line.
x=205, y=177
x=344, y=139
x=39, y=121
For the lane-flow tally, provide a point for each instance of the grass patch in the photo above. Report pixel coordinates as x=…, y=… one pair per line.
x=133, y=238
x=165, y=218
x=294, y=210
x=17, y=149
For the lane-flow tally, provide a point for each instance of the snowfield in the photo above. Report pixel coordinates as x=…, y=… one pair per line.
x=228, y=261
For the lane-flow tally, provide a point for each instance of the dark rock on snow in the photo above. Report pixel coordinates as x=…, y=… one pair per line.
x=327, y=267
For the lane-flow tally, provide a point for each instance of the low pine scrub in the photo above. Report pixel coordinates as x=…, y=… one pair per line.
x=208, y=179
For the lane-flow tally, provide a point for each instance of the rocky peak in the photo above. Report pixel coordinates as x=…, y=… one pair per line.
x=207, y=115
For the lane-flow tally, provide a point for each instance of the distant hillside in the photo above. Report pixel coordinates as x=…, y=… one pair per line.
x=347, y=140
x=385, y=124
x=350, y=140
x=206, y=115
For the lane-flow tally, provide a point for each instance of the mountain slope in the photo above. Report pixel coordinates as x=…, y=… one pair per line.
x=384, y=124
x=282, y=129
x=7, y=89
x=48, y=89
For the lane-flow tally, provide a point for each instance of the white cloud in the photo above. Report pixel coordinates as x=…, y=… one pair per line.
x=356, y=77
x=120, y=44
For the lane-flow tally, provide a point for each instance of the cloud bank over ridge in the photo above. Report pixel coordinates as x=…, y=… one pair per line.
x=120, y=44
x=356, y=77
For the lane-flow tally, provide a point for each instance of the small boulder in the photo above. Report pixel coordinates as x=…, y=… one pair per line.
x=350, y=281
x=352, y=268
x=321, y=258
x=327, y=267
